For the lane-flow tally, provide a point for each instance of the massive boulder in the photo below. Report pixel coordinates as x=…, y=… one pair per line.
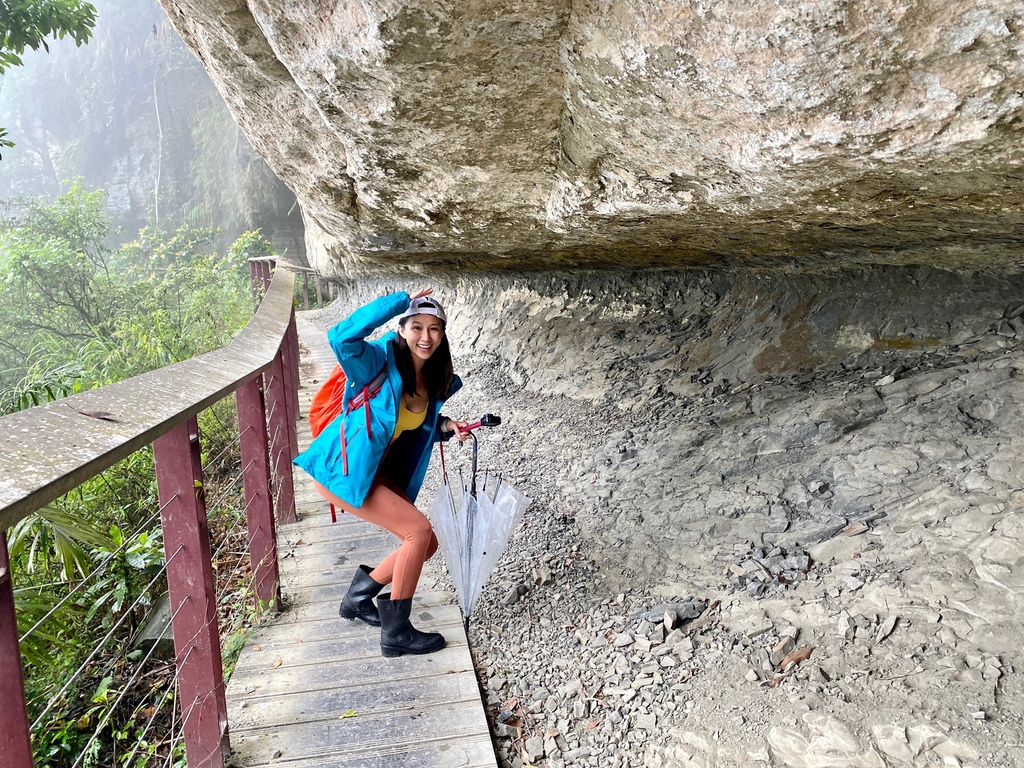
x=544, y=134
x=834, y=380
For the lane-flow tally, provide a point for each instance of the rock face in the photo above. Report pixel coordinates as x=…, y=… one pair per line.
x=777, y=518
x=809, y=438
x=528, y=134
x=692, y=404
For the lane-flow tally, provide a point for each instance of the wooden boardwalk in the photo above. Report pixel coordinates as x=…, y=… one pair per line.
x=311, y=690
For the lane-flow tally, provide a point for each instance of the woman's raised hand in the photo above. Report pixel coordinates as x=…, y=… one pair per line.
x=422, y=293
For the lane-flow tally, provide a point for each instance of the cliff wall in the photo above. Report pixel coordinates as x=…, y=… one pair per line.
x=534, y=135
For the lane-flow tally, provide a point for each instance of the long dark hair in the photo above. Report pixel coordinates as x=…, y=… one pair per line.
x=438, y=371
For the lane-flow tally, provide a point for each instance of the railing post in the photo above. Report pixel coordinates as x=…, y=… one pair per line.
x=291, y=340
x=319, y=296
x=260, y=274
x=257, y=279
x=15, y=741
x=282, y=427
x=190, y=583
x=291, y=359
x=305, y=290
x=259, y=505
x=254, y=281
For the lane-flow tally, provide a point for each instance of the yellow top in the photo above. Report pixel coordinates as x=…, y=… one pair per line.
x=408, y=420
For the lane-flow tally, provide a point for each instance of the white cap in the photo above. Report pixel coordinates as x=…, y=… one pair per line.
x=424, y=305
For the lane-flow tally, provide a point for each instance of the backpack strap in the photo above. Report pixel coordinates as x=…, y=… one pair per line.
x=369, y=391
x=362, y=400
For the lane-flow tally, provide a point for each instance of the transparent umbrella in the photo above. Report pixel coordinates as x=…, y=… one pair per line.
x=473, y=525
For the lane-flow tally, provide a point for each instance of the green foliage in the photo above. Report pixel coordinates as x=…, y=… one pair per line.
x=76, y=314
x=125, y=577
x=186, y=301
x=56, y=292
x=77, y=218
x=238, y=631
x=41, y=385
x=251, y=245
x=136, y=91
x=130, y=566
x=55, y=541
x=27, y=24
x=49, y=630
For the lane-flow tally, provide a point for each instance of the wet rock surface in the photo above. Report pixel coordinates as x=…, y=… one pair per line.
x=819, y=564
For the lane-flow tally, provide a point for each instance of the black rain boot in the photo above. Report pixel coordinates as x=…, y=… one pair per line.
x=398, y=635
x=358, y=603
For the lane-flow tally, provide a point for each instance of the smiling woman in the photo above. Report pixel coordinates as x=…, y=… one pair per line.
x=420, y=335
x=371, y=460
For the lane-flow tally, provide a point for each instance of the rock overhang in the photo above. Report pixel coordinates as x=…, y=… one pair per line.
x=527, y=135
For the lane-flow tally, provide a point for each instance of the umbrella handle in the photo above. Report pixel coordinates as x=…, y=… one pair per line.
x=487, y=420
x=472, y=488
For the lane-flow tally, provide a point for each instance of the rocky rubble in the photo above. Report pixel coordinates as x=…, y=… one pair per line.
x=857, y=623
x=820, y=567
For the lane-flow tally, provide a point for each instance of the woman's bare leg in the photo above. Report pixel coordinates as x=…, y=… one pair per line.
x=388, y=508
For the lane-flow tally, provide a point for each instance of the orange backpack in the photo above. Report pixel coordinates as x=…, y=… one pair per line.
x=327, y=401
x=327, y=404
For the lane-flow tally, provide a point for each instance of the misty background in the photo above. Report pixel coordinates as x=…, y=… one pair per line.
x=133, y=113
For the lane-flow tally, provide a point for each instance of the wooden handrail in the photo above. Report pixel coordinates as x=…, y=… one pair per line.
x=48, y=450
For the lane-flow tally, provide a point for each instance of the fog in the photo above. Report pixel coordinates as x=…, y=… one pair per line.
x=134, y=113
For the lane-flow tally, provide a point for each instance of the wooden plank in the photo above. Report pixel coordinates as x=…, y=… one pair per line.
x=337, y=562
x=294, y=650
x=331, y=578
x=353, y=701
x=394, y=717
x=268, y=681
x=316, y=525
x=447, y=751
x=330, y=593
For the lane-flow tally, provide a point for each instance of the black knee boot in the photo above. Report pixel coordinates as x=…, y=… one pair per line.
x=358, y=603
x=398, y=635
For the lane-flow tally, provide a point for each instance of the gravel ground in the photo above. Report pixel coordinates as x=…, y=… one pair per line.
x=816, y=639
x=808, y=569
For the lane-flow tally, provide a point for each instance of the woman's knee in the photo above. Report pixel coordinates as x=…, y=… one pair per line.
x=432, y=546
x=420, y=530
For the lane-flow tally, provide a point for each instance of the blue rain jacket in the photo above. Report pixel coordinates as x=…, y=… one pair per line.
x=362, y=360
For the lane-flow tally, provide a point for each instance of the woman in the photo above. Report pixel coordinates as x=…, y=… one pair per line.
x=371, y=460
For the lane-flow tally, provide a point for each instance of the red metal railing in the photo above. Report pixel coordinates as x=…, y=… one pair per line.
x=51, y=449
x=306, y=273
